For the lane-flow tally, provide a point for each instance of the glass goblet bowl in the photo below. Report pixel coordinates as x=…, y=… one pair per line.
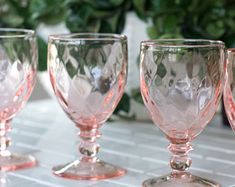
x=18, y=66
x=181, y=82
x=88, y=73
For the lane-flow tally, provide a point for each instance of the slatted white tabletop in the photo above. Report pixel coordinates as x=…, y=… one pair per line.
x=43, y=130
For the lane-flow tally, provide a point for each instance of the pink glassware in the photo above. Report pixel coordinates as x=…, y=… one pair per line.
x=18, y=65
x=88, y=73
x=229, y=91
x=181, y=84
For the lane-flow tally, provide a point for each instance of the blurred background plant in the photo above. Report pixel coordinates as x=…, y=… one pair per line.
x=211, y=19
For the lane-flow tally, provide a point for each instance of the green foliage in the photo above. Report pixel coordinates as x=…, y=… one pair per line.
x=97, y=16
x=212, y=19
x=49, y=12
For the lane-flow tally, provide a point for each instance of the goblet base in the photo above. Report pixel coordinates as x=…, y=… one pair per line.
x=86, y=170
x=15, y=161
x=185, y=180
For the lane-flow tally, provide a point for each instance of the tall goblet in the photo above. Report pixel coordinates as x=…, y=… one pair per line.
x=88, y=73
x=229, y=91
x=181, y=84
x=18, y=65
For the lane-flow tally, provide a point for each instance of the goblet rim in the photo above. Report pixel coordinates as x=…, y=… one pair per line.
x=16, y=33
x=176, y=43
x=88, y=37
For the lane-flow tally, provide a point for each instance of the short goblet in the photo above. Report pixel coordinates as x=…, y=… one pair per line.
x=181, y=84
x=229, y=91
x=18, y=65
x=88, y=73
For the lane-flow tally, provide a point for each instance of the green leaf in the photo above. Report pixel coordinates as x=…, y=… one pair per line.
x=54, y=18
x=116, y=2
x=215, y=29
x=101, y=14
x=123, y=105
x=50, y=12
x=12, y=20
x=136, y=95
x=139, y=6
x=121, y=22
x=152, y=32
x=104, y=4
x=111, y=24
x=230, y=23
x=170, y=35
x=170, y=23
x=76, y=24
x=42, y=51
x=81, y=19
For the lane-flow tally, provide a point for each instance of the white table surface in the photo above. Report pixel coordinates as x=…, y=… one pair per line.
x=43, y=130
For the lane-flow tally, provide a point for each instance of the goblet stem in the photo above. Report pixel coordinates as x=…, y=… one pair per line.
x=88, y=167
x=88, y=146
x=5, y=141
x=180, y=161
x=10, y=161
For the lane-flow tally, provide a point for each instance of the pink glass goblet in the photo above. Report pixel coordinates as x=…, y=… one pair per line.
x=181, y=84
x=18, y=65
x=229, y=91
x=88, y=73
